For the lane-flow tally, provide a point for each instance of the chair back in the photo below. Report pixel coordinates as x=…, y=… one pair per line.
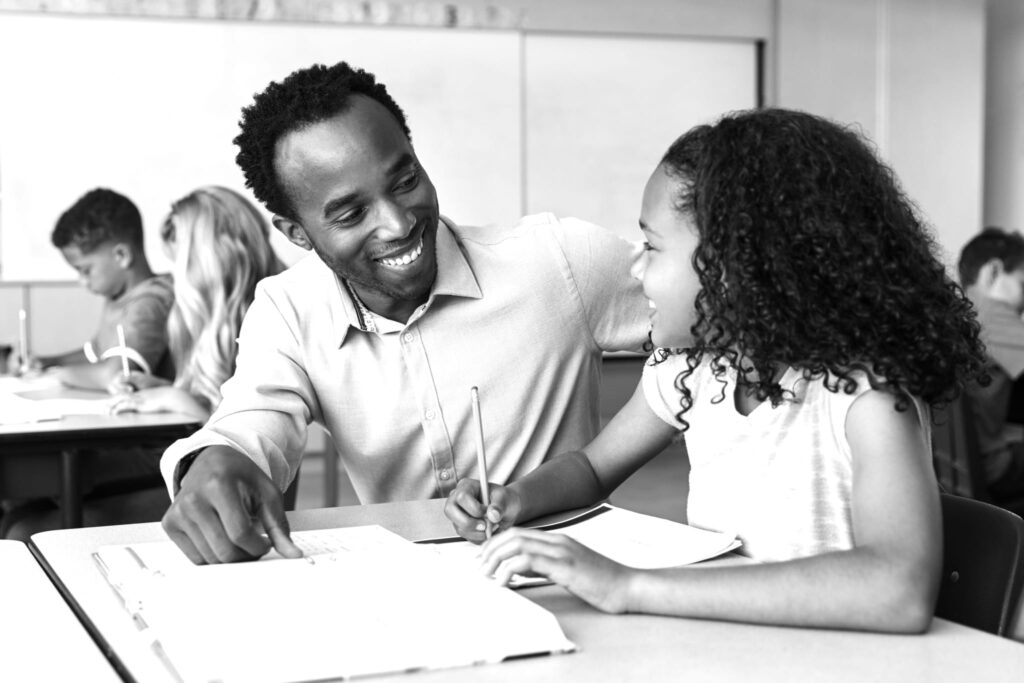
x=983, y=564
x=956, y=453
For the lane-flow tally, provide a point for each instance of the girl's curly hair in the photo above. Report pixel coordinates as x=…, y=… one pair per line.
x=810, y=255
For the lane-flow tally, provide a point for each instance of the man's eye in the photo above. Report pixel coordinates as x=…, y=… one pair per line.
x=408, y=182
x=350, y=217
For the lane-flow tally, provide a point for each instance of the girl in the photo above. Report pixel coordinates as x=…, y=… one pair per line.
x=805, y=328
x=220, y=248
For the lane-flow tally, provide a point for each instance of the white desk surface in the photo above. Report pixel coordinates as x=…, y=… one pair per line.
x=47, y=387
x=40, y=637
x=611, y=648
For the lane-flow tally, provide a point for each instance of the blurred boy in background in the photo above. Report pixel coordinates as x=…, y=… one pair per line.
x=100, y=236
x=992, y=273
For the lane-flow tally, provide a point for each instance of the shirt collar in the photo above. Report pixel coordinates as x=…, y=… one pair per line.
x=455, y=277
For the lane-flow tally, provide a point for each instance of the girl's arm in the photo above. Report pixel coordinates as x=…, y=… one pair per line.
x=577, y=479
x=888, y=582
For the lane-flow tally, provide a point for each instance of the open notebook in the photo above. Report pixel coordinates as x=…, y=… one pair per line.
x=364, y=601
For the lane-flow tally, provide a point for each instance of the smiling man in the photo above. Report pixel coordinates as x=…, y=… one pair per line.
x=381, y=333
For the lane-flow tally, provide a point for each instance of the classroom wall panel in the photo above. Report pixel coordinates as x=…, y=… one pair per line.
x=911, y=73
x=936, y=112
x=1004, y=115
x=62, y=316
x=829, y=62
x=598, y=123
x=149, y=107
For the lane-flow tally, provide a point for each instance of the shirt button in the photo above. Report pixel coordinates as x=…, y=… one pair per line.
x=430, y=415
x=445, y=474
x=408, y=337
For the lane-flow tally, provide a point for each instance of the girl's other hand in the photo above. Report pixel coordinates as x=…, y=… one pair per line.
x=161, y=399
x=135, y=381
x=466, y=511
x=592, y=577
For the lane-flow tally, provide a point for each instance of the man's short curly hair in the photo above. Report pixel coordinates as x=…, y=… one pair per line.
x=811, y=255
x=99, y=216
x=305, y=97
x=990, y=243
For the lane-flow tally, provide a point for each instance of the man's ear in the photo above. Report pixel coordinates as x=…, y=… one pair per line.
x=989, y=273
x=293, y=231
x=123, y=255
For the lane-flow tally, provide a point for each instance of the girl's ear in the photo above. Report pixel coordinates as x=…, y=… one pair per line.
x=123, y=255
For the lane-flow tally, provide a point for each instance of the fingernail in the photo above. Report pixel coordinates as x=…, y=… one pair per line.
x=480, y=527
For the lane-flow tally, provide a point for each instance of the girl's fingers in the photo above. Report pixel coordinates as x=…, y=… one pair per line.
x=517, y=542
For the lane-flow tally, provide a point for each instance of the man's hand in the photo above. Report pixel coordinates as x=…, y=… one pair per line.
x=224, y=504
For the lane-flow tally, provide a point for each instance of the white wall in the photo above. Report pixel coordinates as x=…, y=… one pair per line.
x=910, y=72
x=1004, y=115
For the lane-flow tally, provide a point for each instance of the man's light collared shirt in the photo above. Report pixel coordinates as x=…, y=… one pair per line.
x=522, y=313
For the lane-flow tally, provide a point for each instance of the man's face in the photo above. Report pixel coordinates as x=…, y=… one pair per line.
x=101, y=270
x=1012, y=287
x=363, y=204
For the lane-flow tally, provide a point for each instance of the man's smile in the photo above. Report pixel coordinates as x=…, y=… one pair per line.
x=403, y=257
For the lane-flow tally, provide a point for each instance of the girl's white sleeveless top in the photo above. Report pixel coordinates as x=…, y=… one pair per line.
x=780, y=478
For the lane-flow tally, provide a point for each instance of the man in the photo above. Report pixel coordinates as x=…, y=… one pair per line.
x=992, y=273
x=381, y=336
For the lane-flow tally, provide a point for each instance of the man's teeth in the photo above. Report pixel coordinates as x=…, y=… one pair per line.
x=650, y=304
x=406, y=258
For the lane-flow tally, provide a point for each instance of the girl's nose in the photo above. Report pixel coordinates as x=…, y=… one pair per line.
x=639, y=262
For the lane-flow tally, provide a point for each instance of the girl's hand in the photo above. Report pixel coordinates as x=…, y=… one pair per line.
x=135, y=381
x=590, y=576
x=466, y=512
x=163, y=399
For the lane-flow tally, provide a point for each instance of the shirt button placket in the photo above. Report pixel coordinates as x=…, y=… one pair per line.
x=433, y=425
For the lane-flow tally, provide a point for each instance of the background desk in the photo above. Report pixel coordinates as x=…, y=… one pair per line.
x=40, y=638
x=612, y=648
x=43, y=458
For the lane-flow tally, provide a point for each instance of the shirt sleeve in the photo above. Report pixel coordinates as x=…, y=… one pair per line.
x=145, y=327
x=658, y=381
x=267, y=404
x=613, y=302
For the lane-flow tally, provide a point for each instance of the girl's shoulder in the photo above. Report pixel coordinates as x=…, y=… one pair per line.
x=839, y=391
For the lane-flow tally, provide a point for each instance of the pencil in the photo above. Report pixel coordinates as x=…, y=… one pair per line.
x=125, y=370
x=23, y=340
x=481, y=458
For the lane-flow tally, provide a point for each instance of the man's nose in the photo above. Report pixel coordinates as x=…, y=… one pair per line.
x=395, y=222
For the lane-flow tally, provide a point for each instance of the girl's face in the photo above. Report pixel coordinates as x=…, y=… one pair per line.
x=666, y=266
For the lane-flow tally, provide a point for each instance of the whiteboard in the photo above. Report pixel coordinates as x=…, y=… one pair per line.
x=602, y=110
x=148, y=107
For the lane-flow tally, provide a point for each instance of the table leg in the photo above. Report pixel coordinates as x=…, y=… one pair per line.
x=70, y=489
x=330, y=477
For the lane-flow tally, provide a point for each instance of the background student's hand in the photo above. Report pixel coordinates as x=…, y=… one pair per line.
x=466, y=512
x=160, y=399
x=224, y=504
x=589, y=575
x=135, y=381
